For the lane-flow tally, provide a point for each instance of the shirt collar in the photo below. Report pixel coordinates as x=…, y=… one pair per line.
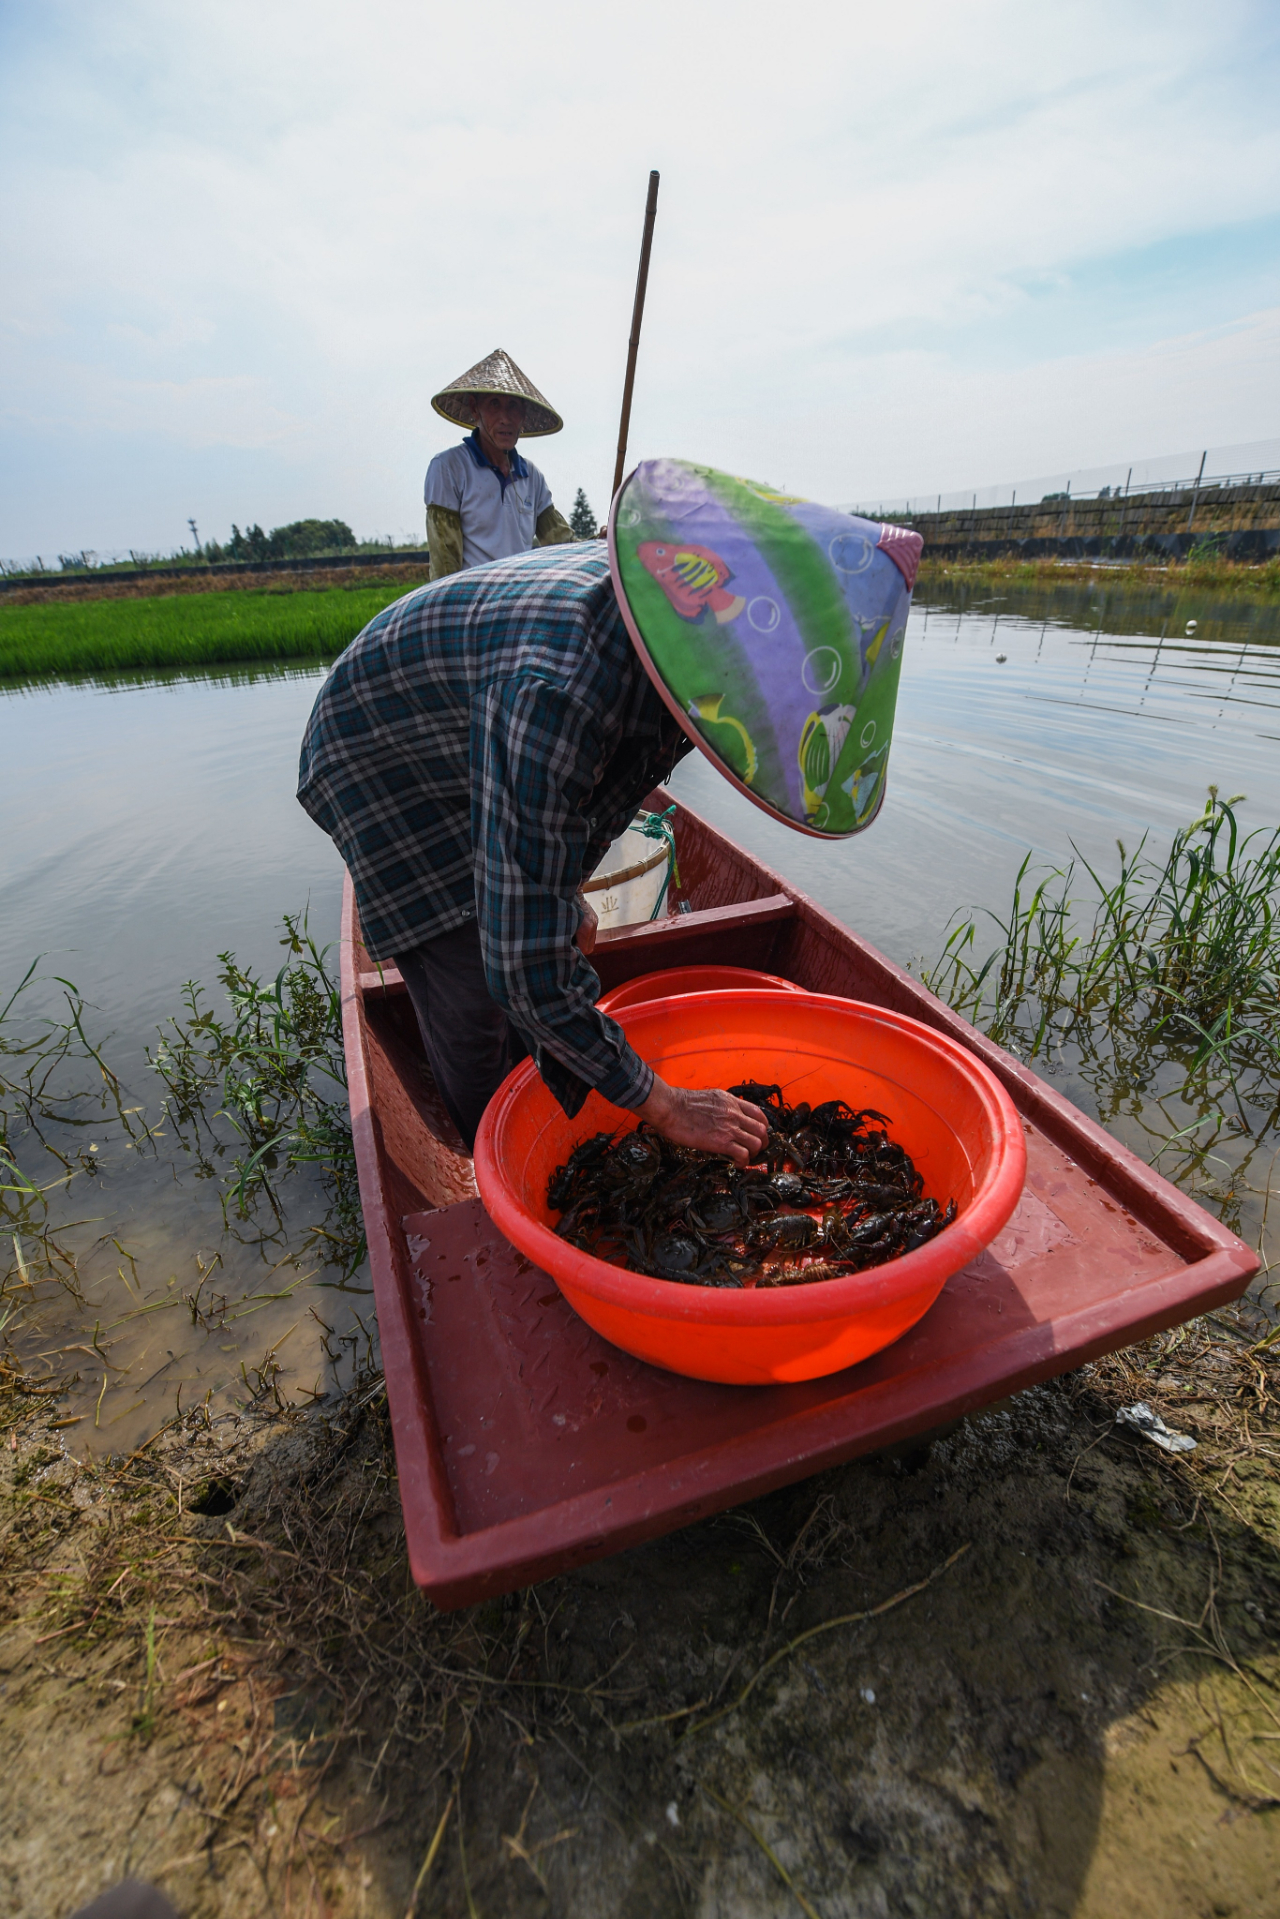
x=519, y=470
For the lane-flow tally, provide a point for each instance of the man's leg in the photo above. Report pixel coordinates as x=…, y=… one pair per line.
x=470, y=1044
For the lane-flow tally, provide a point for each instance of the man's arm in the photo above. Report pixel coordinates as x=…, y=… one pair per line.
x=444, y=537
x=536, y=758
x=552, y=529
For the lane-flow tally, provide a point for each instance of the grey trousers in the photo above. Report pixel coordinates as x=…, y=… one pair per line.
x=470, y=1043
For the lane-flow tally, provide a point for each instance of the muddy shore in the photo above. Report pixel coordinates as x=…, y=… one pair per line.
x=1032, y=1668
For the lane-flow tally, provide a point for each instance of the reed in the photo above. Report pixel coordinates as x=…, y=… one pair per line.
x=1162, y=978
x=188, y=629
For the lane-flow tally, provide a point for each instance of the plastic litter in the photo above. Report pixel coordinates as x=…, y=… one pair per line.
x=1142, y=1420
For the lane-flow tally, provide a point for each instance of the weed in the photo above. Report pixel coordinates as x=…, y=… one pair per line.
x=54, y=1084
x=274, y=1071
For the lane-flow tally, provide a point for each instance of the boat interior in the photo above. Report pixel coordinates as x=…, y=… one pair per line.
x=527, y=1443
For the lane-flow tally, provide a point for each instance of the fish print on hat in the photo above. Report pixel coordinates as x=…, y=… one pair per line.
x=692, y=579
x=773, y=628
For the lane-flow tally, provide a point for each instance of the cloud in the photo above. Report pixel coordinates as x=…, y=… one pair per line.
x=932, y=426
x=234, y=411
x=280, y=228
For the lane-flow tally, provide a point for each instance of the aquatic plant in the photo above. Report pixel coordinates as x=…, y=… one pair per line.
x=54, y=1084
x=1160, y=985
x=187, y=629
x=1190, y=944
x=274, y=1072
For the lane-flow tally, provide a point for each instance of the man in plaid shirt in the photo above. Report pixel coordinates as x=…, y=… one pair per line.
x=472, y=755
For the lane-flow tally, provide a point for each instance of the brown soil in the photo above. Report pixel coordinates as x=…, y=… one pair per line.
x=1079, y=1713
x=312, y=580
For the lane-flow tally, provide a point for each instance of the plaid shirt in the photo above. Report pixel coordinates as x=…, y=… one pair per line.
x=472, y=754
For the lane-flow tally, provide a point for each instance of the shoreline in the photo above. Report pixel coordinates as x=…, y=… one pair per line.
x=1257, y=585
x=220, y=1676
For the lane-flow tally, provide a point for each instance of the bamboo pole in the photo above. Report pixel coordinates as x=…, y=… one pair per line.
x=1196, y=494
x=637, y=315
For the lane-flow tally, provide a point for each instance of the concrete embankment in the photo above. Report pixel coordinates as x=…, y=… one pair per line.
x=1233, y=522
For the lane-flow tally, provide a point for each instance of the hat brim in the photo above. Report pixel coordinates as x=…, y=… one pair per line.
x=457, y=404
x=681, y=718
x=772, y=628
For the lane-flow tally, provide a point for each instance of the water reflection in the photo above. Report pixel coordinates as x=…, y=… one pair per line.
x=1080, y=735
x=1021, y=732
x=150, y=824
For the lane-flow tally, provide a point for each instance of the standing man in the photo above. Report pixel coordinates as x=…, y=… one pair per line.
x=484, y=500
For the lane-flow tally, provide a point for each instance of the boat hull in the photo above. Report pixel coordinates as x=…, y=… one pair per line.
x=527, y=1444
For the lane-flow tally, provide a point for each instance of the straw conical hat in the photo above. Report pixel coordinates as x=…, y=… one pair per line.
x=772, y=628
x=497, y=373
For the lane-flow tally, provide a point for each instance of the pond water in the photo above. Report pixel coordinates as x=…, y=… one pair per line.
x=150, y=825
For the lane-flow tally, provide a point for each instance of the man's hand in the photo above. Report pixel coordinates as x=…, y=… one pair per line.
x=585, y=937
x=714, y=1121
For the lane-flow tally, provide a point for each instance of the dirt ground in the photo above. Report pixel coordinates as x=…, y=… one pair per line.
x=281, y=579
x=1031, y=1669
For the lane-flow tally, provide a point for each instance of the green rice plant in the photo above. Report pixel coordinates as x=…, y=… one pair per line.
x=274, y=1073
x=184, y=629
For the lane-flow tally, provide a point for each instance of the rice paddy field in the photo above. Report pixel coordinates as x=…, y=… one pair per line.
x=1032, y=1667
x=183, y=630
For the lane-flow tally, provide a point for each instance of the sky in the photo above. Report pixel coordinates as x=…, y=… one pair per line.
x=898, y=249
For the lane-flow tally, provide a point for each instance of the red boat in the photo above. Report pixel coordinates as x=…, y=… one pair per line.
x=526, y=1444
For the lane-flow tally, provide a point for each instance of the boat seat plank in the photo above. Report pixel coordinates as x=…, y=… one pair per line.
x=747, y=927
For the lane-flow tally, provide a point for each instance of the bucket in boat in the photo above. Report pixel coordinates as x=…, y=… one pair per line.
x=691, y=979
x=940, y=1102
x=631, y=883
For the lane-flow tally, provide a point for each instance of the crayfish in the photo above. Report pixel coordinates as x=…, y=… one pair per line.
x=830, y=1195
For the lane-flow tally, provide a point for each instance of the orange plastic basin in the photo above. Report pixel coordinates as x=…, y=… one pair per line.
x=691, y=979
x=943, y=1105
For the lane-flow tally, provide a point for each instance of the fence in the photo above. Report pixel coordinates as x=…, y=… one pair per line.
x=1256, y=463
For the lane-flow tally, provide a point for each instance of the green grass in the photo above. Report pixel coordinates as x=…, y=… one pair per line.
x=184, y=629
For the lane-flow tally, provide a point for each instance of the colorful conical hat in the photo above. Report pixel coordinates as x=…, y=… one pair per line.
x=498, y=373
x=773, y=629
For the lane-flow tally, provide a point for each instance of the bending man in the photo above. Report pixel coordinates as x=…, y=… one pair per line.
x=478, y=747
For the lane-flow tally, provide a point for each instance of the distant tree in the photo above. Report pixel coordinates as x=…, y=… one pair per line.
x=250, y=545
x=303, y=537
x=293, y=542
x=582, y=519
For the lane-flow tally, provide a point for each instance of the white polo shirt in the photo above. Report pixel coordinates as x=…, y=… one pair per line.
x=498, y=514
